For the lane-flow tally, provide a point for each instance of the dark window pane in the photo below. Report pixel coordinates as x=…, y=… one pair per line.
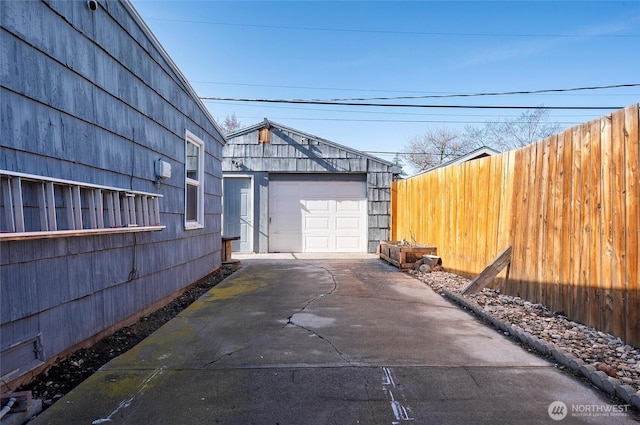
x=192, y=203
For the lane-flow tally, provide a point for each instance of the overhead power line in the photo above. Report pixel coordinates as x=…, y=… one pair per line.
x=401, y=105
x=277, y=86
x=413, y=153
x=453, y=114
x=350, y=101
x=371, y=31
x=438, y=96
x=382, y=120
x=504, y=93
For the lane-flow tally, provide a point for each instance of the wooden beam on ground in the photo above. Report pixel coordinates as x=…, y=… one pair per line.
x=489, y=273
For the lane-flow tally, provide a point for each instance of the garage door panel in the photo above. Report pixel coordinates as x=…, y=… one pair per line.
x=345, y=224
x=313, y=223
x=321, y=206
x=317, y=244
x=311, y=216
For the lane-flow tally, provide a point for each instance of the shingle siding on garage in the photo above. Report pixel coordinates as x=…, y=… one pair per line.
x=90, y=96
x=295, y=152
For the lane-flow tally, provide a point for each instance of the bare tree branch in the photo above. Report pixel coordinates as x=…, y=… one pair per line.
x=435, y=147
x=230, y=124
x=527, y=128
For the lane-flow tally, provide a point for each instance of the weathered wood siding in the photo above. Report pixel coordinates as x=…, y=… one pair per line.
x=569, y=207
x=89, y=96
x=294, y=152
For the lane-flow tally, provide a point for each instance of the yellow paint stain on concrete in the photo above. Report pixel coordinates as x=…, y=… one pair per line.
x=120, y=385
x=126, y=387
x=153, y=349
x=237, y=287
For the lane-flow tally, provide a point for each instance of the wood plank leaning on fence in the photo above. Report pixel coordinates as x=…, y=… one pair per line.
x=489, y=273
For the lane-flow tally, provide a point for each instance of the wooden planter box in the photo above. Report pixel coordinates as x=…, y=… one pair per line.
x=404, y=256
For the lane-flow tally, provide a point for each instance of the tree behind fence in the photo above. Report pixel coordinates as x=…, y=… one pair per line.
x=569, y=207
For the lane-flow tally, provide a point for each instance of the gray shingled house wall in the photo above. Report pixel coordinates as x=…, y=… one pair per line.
x=90, y=96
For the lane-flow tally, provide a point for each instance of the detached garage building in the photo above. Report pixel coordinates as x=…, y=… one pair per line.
x=288, y=191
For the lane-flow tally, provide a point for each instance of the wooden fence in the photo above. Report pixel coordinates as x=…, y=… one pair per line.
x=569, y=207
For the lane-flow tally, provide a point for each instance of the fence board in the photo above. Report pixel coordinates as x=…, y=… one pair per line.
x=460, y=216
x=548, y=217
x=632, y=155
x=530, y=224
x=619, y=229
x=506, y=188
x=512, y=286
x=556, y=222
x=607, y=227
x=586, y=235
x=542, y=217
x=493, y=205
x=594, y=271
x=576, y=222
x=550, y=284
x=565, y=266
x=478, y=199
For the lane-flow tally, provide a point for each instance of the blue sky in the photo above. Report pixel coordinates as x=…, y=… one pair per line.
x=325, y=50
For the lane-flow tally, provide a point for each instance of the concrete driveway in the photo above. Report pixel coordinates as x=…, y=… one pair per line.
x=293, y=340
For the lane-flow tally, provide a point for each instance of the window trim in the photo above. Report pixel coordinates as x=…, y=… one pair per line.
x=199, y=184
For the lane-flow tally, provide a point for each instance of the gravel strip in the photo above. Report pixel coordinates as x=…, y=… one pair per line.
x=604, y=359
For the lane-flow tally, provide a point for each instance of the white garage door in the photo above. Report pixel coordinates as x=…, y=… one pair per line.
x=317, y=216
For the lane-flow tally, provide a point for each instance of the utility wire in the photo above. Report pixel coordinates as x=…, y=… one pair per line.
x=369, y=112
x=366, y=31
x=504, y=93
x=438, y=96
x=349, y=101
x=401, y=105
x=378, y=120
x=414, y=153
x=394, y=91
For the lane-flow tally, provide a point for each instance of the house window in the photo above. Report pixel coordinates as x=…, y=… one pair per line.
x=194, y=182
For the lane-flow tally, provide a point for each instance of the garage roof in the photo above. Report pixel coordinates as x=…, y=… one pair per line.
x=266, y=123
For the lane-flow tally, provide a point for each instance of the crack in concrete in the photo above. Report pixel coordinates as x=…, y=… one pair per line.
x=314, y=299
x=333, y=277
x=311, y=301
x=340, y=353
x=224, y=356
x=289, y=322
x=255, y=341
x=473, y=378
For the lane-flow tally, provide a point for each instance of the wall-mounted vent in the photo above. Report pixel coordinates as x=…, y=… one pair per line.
x=264, y=135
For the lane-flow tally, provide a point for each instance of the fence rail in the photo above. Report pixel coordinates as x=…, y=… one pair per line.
x=569, y=206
